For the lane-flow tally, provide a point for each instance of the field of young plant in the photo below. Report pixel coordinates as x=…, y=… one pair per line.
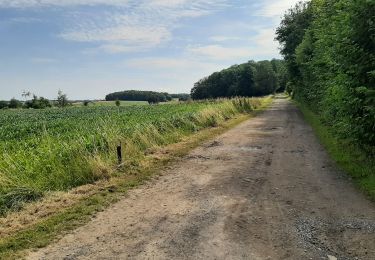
x=58, y=149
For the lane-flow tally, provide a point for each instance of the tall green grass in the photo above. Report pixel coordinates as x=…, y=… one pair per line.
x=354, y=160
x=58, y=149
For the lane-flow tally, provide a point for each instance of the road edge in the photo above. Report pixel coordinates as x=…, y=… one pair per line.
x=347, y=156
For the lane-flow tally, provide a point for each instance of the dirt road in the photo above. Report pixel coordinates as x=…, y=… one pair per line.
x=264, y=190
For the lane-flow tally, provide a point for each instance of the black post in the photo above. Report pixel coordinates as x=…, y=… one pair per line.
x=119, y=154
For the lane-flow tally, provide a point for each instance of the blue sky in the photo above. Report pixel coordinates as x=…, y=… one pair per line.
x=89, y=48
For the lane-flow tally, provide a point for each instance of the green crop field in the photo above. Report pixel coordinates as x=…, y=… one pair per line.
x=58, y=149
x=111, y=103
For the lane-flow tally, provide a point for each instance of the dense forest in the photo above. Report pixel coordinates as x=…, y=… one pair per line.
x=150, y=96
x=137, y=95
x=329, y=49
x=248, y=79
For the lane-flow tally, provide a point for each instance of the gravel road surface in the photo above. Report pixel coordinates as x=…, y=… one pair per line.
x=266, y=189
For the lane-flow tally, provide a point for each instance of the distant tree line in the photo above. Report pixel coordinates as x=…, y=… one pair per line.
x=181, y=97
x=150, y=96
x=35, y=102
x=248, y=79
x=137, y=95
x=329, y=49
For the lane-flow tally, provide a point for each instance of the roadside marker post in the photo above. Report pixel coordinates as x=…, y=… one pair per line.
x=119, y=153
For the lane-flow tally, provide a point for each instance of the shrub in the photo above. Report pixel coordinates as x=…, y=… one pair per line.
x=3, y=104
x=14, y=103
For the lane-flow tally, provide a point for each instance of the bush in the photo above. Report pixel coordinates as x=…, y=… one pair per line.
x=153, y=100
x=62, y=99
x=329, y=48
x=181, y=97
x=38, y=103
x=3, y=104
x=14, y=103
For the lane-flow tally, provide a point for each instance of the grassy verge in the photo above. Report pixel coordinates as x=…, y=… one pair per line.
x=46, y=230
x=347, y=154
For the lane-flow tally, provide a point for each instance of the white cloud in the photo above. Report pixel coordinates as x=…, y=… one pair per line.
x=114, y=48
x=134, y=24
x=153, y=3
x=222, y=38
x=265, y=42
x=151, y=35
x=173, y=75
x=218, y=52
x=160, y=63
x=275, y=8
x=260, y=46
x=46, y=3
x=140, y=25
x=167, y=3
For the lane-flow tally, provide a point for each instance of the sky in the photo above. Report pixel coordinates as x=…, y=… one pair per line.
x=89, y=48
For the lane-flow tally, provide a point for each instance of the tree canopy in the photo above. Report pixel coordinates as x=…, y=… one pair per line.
x=248, y=79
x=329, y=48
x=38, y=103
x=181, y=96
x=137, y=95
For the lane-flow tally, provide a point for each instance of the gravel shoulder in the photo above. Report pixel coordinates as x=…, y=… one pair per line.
x=266, y=189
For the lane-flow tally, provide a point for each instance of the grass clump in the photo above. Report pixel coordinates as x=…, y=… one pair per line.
x=14, y=198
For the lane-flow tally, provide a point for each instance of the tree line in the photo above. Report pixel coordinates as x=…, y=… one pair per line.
x=248, y=79
x=149, y=96
x=36, y=102
x=329, y=49
x=181, y=96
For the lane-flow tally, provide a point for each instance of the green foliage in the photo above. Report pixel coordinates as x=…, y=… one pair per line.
x=181, y=97
x=38, y=103
x=290, y=34
x=168, y=97
x=349, y=156
x=292, y=28
x=57, y=149
x=62, y=99
x=265, y=78
x=3, y=104
x=136, y=95
x=331, y=67
x=118, y=103
x=45, y=231
x=16, y=197
x=96, y=103
x=14, y=103
x=248, y=79
x=279, y=67
x=153, y=99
